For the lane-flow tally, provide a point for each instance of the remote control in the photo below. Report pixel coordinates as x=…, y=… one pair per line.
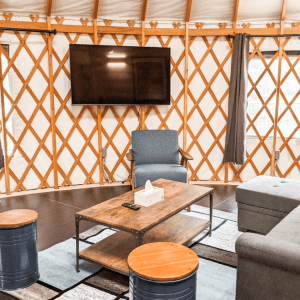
x=131, y=206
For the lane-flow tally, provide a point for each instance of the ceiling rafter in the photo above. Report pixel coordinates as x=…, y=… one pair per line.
x=95, y=11
x=49, y=7
x=283, y=12
x=144, y=9
x=236, y=9
x=188, y=11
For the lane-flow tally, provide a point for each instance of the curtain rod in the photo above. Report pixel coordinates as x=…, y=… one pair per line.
x=266, y=35
x=29, y=30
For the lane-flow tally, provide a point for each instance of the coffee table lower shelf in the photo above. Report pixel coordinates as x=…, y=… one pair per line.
x=113, y=251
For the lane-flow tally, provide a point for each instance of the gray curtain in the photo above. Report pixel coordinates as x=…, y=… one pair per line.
x=235, y=143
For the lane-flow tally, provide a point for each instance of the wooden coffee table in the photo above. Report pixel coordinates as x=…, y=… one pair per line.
x=159, y=222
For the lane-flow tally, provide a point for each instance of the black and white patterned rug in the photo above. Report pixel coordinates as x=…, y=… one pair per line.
x=108, y=285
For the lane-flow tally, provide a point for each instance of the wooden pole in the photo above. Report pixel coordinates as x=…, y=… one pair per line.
x=100, y=158
x=99, y=119
x=276, y=108
x=186, y=74
x=278, y=87
x=186, y=83
x=6, y=163
x=234, y=30
x=49, y=43
x=226, y=172
x=144, y=10
x=142, y=116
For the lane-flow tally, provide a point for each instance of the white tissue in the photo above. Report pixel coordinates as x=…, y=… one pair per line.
x=148, y=186
x=148, y=196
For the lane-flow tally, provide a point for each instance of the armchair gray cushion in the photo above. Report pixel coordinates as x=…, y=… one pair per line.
x=155, y=147
x=155, y=171
x=156, y=154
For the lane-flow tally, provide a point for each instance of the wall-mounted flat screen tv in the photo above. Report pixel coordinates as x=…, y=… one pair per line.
x=112, y=75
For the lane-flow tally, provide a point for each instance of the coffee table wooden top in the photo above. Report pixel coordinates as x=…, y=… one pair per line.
x=17, y=217
x=163, y=261
x=177, y=196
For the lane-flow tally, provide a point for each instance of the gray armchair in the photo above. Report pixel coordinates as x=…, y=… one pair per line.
x=154, y=155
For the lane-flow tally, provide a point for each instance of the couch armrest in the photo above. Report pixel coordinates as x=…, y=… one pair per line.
x=185, y=154
x=130, y=156
x=269, y=251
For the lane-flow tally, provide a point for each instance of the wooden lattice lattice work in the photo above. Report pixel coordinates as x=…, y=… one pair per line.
x=77, y=156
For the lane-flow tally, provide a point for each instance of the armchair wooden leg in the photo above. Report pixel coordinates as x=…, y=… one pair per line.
x=189, y=209
x=132, y=175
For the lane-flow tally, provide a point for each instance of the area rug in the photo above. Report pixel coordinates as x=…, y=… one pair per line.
x=36, y=291
x=104, y=284
x=57, y=265
x=59, y=279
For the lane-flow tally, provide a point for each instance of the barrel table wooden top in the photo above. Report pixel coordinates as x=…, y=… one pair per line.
x=17, y=217
x=163, y=261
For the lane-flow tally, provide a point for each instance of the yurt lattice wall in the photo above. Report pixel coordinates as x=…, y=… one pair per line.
x=39, y=103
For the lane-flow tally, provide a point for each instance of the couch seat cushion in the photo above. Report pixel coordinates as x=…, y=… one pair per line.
x=270, y=192
x=156, y=171
x=288, y=229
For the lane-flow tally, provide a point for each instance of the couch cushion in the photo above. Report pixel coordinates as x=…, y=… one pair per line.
x=262, y=210
x=156, y=171
x=155, y=147
x=270, y=192
x=288, y=229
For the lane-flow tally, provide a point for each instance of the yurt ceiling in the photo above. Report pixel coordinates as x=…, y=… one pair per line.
x=206, y=11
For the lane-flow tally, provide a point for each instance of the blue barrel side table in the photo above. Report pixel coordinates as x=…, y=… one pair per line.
x=163, y=271
x=18, y=249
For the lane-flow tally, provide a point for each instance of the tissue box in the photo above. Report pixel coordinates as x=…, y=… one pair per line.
x=148, y=198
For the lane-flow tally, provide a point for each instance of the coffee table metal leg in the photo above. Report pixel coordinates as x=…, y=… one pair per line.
x=77, y=220
x=210, y=211
x=139, y=239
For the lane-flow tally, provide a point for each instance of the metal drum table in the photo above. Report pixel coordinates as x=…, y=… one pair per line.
x=163, y=271
x=18, y=249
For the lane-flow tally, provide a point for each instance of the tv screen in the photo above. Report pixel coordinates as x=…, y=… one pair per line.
x=112, y=75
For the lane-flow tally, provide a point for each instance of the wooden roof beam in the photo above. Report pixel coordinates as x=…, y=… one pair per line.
x=283, y=12
x=95, y=11
x=237, y=2
x=144, y=9
x=188, y=11
x=49, y=7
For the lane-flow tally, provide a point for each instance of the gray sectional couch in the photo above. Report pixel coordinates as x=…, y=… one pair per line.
x=268, y=265
x=264, y=201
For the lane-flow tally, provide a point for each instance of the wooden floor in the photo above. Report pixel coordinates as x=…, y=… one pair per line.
x=57, y=209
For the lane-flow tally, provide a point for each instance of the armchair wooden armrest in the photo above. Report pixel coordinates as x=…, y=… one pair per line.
x=184, y=158
x=185, y=154
x=130, y=157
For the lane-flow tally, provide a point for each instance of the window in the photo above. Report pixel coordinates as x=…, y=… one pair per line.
x=263, y=73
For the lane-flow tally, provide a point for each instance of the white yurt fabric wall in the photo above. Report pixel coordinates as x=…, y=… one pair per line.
x=28, y=102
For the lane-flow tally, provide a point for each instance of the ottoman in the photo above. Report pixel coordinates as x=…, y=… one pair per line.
x=264, y=201
x=18, y=249
x=162, y=271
